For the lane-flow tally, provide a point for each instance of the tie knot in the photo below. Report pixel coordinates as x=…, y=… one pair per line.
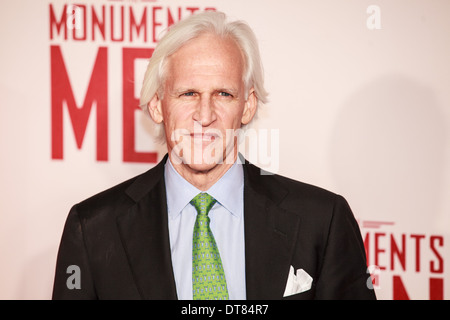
x=203, y=202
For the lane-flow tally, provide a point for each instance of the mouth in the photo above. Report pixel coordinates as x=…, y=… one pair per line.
x=204, y=137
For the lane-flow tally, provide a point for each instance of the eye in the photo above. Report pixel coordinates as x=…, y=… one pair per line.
x=188, y=94
x=224, y=94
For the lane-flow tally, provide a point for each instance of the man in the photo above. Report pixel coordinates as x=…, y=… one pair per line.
x=203, y=224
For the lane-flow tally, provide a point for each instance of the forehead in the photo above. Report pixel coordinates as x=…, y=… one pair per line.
x=208, y=54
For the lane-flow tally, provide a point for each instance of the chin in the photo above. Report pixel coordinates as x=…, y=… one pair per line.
x=201, y=157
x=201, y=167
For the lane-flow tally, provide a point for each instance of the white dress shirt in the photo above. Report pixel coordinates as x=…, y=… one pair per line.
x=227, y=225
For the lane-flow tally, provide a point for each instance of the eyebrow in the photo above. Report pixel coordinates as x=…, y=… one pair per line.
x=181, y=90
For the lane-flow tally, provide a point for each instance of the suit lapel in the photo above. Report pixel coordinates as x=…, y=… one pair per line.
x=270, y=233
x=144, y=233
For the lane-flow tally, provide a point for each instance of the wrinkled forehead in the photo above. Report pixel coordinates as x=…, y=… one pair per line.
x=208, y=48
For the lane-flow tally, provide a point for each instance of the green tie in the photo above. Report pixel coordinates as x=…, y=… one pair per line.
x=208, y=277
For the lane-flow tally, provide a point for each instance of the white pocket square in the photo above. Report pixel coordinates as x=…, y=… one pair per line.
x=297, y=283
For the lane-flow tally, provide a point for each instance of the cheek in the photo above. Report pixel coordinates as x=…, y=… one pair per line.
x=230, y=115
x=175, y=114
x=232, y=121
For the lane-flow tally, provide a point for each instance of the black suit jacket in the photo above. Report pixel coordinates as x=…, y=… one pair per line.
x=119, y=239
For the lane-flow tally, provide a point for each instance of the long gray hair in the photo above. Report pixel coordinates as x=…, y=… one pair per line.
x=190, y=28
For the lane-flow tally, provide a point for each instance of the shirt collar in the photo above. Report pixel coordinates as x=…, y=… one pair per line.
x=228, y=190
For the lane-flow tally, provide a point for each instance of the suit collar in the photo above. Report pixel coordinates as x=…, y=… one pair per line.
x=147, y=181
x=270, y=233
x=262, y=183
x=144, y=233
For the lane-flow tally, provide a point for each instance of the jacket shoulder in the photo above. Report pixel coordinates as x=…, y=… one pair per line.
x=315, y=205
x=287, y=190
x=116, y=199
x=108, y=197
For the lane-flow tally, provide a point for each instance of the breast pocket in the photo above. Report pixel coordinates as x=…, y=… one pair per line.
x=306, y=295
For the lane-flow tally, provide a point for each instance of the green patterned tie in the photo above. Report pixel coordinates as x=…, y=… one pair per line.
x=208, y=277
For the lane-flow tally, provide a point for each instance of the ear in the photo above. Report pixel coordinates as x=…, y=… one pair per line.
x=155, y=109
x=249, y=107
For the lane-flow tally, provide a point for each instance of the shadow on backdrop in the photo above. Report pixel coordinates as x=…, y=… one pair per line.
x=388, y=151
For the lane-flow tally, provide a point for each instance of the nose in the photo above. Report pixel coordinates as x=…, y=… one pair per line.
x=205, y=112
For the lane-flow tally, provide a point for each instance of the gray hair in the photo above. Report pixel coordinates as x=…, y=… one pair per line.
x=189, y=29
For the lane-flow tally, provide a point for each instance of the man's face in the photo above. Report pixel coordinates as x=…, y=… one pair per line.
x=204, y=103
